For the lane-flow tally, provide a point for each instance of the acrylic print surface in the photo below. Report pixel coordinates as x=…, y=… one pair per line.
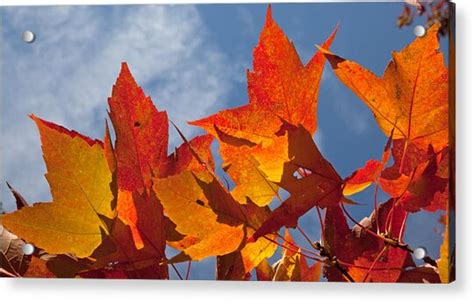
x=291, y=142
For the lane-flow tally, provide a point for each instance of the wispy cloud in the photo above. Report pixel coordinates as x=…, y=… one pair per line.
x=67, y=74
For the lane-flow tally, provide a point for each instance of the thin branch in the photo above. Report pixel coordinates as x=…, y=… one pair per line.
x=333, y=261
x=306, y=237
x=188, y=269
x=376, y=208
x=369, y=231
x=293, y=250
x=321, y=223
x=296, y=246
x=176, y=270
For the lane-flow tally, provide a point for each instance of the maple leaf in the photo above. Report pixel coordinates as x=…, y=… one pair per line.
x=139, y=152
x=318, y=185
x=79, y=178
x=133, y=230
x=280, y=88
x=280, y=82
x=412, y=96
x=189, y=201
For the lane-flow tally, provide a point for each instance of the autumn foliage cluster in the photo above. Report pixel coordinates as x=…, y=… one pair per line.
x=120, y=206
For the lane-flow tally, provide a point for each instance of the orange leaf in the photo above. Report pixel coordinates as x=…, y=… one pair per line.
x=280, y=82
x=203, y=210
x=280, y=88
x=412, y=96
x=141, y=148
x=79, y=178
x=317, y=182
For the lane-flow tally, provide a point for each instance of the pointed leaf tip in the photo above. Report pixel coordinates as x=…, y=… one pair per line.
x=19, y=199
x=327, y=44
x=124, y=68
x=269, y=17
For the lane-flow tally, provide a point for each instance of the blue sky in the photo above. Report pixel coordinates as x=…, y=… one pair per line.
x=192, y=61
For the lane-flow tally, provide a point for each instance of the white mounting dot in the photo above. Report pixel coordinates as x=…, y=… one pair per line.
x=419, y=31
x=28, y=249
x=419, y=253
x=28, y=36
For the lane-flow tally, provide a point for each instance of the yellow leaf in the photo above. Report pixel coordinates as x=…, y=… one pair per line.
x=203, y=211
x=79, y=177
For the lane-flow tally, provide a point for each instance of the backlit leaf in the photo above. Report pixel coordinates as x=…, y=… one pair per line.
x=412, y=96
x=280, y=88
x=79, y=178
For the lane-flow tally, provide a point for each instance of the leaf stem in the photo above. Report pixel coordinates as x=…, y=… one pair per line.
x=176, y=271
x=297, y=247
x=321, y=223
x=188, y=269
x=293, y=250
x=376, y=210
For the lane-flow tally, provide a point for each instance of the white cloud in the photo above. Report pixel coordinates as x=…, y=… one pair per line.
x=67, y=74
